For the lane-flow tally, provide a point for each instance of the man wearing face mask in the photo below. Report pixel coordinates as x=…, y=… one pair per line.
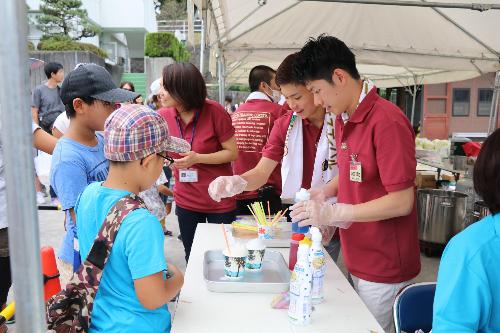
x=253, y=121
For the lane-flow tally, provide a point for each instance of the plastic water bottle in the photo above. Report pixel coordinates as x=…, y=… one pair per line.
x=318, y=266
x=300, y=308
x=302, y=195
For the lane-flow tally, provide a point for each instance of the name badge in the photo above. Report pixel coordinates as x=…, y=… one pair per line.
x=188, y=176
x=355, y=174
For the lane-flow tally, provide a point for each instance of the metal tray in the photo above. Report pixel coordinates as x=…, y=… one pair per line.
x=273, y=278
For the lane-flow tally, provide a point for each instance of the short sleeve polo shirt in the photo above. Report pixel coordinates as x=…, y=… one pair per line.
x=381, y=138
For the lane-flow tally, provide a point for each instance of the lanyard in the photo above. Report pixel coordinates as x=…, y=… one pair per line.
x=195, y=122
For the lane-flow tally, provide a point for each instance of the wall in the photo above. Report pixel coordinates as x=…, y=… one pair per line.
x=69, y=59
x=472, y=123
x=154, y=68
x=439, y=121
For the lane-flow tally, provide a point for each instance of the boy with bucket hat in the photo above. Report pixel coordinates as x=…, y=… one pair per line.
x=89, y=96
x=133, y=291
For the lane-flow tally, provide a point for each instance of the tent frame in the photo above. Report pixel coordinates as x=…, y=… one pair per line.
x=17, y=148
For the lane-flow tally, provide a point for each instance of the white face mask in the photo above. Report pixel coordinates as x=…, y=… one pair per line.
x=275, y=95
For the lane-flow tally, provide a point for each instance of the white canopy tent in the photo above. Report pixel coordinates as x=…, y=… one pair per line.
x=395, y=45
x=439, y=44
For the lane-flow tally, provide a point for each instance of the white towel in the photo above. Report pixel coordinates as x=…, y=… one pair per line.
x=292, y=164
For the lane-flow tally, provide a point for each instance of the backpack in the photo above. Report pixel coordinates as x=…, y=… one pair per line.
x=70, y=310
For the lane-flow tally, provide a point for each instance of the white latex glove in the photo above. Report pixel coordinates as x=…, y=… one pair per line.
x=327, y=233
x=315, y=212
x=226, y=186
x=318, y=194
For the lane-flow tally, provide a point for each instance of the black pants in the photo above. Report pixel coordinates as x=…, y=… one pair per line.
x=242, y=206
x=5, y=279
x=188, y=220
x=265, y=194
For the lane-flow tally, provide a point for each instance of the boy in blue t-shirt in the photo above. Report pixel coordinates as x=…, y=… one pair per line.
x=89, y=95
x=134, y=291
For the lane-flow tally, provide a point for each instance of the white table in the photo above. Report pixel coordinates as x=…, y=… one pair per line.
x=200, y=310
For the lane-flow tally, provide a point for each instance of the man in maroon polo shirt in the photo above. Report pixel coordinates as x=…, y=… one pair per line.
x=253, y=122
x=375, y=186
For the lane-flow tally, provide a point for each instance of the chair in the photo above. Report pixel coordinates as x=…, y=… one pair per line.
x=413, y=307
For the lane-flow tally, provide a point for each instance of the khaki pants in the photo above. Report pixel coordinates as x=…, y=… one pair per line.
x=379, y=299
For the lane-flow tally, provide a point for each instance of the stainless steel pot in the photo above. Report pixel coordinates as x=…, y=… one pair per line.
x=480, y=211
x=441, y=214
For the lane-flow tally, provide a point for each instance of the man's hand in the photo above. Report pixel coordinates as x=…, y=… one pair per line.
x=320, y=213
x=226, y=186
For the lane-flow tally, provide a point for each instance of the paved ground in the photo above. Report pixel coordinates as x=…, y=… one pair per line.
x=52, y=229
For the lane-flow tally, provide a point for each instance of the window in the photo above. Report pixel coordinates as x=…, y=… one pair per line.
x=484, y=98
x=461, y=102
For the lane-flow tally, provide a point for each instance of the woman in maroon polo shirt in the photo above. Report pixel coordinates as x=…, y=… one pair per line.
x=375, y=187
x=208, y=128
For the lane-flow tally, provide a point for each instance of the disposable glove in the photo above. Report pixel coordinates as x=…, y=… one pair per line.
x=314, y=212
x=327, y=233
x=226, y=186
x=318, y=194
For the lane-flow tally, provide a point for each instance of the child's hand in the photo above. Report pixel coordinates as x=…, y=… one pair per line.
x=190, y=158
x=165, y=190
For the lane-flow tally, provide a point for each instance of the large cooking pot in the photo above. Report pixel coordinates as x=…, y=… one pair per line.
x=441, y=214
x=480, y=211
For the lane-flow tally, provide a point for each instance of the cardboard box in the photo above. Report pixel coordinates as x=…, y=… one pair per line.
x=426, y=179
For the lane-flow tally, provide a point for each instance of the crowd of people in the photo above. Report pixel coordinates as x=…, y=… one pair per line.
x=334, y=135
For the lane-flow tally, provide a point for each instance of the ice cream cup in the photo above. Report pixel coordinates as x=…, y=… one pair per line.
x=256, y=250
x=264, y=231
x=234, y=264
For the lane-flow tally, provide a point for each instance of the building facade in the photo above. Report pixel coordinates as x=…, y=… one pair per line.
x=124, y=24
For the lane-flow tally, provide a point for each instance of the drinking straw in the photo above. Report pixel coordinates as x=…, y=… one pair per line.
x=251, y=211
x=278, y=216
x=225, y=238
x=269, y=210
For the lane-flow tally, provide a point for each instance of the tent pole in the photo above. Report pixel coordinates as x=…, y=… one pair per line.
x=202, y=48
x=19, y=169
x=492, y=125
x=414, y=97
x=222, y=83
x=473, y=6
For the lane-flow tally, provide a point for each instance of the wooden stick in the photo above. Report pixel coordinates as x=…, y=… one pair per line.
x=225, y=238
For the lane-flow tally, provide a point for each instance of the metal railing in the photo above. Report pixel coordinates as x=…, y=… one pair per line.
x=178, y=25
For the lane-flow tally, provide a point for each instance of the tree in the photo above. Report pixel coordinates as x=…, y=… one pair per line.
x=65, y=17
x=171, y=10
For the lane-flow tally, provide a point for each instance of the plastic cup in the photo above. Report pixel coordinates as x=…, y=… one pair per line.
x=264, y=231
x=234, y=266
x=256, y=250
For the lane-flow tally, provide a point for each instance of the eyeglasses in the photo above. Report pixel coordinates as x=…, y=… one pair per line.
x=168, y=160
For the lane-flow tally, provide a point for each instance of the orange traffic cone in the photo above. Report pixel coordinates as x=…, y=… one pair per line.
x=51, y=284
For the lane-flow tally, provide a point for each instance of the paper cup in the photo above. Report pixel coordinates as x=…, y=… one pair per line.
x=264, y=232
x=234, y=267
x=254, y=260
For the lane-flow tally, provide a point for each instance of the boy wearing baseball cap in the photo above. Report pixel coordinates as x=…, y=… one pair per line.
x=89, y=96
x=133, y=292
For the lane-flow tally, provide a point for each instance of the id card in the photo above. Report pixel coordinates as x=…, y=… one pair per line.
x=355, y=172
x=188, y=176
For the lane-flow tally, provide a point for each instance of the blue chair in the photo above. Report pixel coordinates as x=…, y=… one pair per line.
x=413, y=307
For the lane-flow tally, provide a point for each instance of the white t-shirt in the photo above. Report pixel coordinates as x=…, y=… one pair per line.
x=61, y=123
x=3, y=195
